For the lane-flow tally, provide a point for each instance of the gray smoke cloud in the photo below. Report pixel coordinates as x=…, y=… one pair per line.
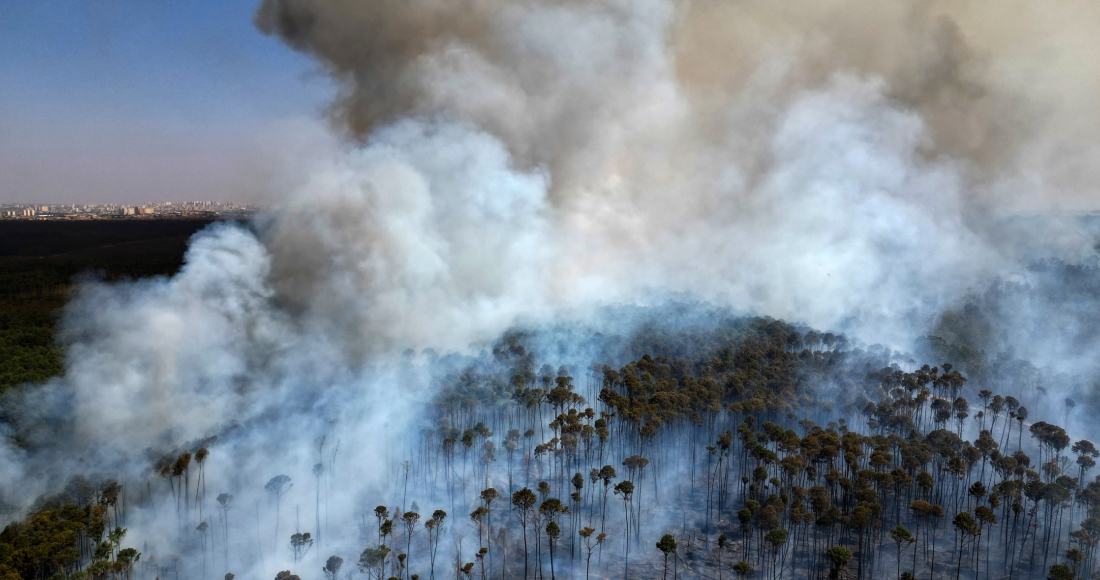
x=845, y=164
x=827, y=163
x=563, y=83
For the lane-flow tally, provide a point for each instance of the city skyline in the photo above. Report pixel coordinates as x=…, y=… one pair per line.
x=162, y=209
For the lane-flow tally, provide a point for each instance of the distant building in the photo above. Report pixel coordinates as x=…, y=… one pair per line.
x=160, y=210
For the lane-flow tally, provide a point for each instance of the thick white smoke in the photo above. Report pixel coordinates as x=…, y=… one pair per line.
x=431, y=236
x=847, y=166
x=426, y=236
x=193, y=347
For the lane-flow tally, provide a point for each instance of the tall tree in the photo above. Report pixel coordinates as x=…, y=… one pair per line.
x=276, y=487
x=332, y=567
x=901, y=535
x=553, y=532
x=586, y=534
x=410, y=518
x=667, y=545
x=224, y=501
x=434, y=527
x=523, y=501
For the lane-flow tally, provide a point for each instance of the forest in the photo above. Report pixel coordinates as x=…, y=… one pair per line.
x=700, y=444
x=41, y=260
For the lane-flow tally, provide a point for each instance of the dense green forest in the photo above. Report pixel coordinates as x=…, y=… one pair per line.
x=693, y=442
x=39, y=262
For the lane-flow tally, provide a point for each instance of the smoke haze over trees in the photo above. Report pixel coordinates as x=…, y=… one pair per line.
x=683, y=277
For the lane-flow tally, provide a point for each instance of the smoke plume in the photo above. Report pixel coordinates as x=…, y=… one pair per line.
x=828, y=163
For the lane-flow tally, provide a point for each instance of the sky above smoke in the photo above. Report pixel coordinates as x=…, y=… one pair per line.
x=845, y=164
x=124, y=101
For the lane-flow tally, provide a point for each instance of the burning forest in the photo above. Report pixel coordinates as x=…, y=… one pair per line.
x=609, y=289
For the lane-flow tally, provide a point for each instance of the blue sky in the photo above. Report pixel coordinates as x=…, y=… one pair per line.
x=128, y=101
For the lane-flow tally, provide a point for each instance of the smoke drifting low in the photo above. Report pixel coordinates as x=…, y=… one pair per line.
x=846, y=164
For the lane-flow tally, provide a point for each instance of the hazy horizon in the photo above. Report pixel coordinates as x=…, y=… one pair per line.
x=131, y=102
